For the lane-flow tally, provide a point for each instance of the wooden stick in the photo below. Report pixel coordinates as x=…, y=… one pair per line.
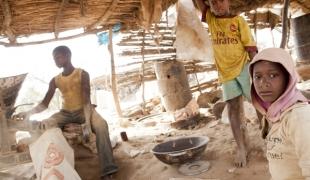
x=59, y=13
x=142, y=67
x=284, y=23
x=82, y=7
x=149, y=51
x=7, y=21
x=113, y=79
x=15, y=44
x=255, y=25
x=198, y=84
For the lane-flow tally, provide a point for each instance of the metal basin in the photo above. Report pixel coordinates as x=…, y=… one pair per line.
x=180, y=150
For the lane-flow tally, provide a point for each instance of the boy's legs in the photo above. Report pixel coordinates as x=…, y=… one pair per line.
x=236, y=118
x=58, y=119
x=61, y=118
x=232, y=94
x=105, y=152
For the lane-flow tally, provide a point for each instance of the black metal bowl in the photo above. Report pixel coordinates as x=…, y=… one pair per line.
x=181, y=150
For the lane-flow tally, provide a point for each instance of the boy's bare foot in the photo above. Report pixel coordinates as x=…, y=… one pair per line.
x=240, y=158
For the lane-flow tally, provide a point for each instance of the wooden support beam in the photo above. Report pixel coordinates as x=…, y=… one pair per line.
x=105, y=15
x=7, y=21
x=137, y=43
x=113, y=79
x=142, y=69
x=284, y=23
x=147, y=38
x=14, y=44
x=148, y=51
x=58, y=16
x=82, y=7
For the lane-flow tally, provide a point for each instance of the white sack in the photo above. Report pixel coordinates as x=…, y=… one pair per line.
x=52, y=156
x=192, y=39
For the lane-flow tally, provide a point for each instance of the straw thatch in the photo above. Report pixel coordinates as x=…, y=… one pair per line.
x=20, y=18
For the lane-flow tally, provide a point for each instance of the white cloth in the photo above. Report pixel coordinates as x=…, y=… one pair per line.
x=288, y=144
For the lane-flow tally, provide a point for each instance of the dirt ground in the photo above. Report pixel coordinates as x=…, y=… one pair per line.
x=136, y=162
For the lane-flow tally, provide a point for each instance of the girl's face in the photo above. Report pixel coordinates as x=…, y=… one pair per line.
x=219, y=7
x=270, y=80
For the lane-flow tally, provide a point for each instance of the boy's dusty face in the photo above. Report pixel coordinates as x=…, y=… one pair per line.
x=60, y=59
x=270, y=80
x=219, y=7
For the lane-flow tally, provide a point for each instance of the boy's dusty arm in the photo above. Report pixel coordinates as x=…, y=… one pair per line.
x=43, y=104
x=86, y=105
x=85, y=88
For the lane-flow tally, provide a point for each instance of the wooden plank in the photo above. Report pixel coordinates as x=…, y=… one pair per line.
x=148, y=51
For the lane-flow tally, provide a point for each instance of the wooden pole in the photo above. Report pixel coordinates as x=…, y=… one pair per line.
x=142, y=76
x=284, y=23
x=7, y=13
x=58, y=16
x=255, y=25
x=113, y=78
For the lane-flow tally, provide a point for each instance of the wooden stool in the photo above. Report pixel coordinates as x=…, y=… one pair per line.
x=74, y=135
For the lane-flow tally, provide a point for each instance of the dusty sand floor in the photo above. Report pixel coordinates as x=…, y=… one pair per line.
x=145, y=166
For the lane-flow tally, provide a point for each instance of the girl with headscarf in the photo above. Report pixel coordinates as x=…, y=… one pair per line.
x=286, y=119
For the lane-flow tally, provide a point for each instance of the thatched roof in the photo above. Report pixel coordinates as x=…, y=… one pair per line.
x=27, y=17
x=20, y=18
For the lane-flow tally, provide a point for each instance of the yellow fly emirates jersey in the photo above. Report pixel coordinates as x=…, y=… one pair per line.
x=231, y=36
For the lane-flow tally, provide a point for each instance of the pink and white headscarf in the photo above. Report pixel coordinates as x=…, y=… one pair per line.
x=290, y=96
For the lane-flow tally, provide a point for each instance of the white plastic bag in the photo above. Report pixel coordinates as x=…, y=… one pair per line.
x=52, y=157
x=192, y=39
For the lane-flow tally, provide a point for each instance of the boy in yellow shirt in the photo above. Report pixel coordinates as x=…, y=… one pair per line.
x=74, y=86
x=233, y=49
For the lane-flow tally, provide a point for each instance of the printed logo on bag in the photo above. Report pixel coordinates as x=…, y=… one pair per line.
x=53, y=157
